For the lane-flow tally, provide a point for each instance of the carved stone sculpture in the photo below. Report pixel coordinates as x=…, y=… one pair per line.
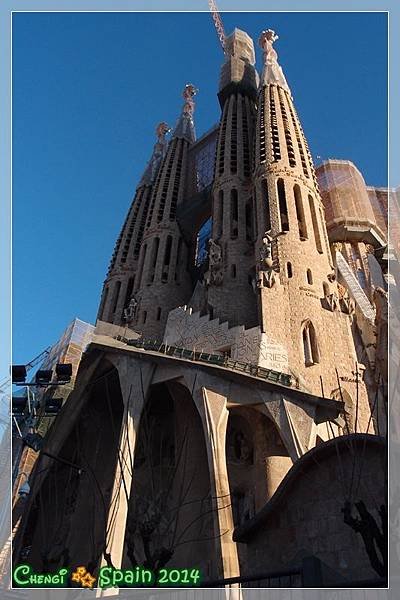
x=266, y=273
x=214, y=274
x=130, y=311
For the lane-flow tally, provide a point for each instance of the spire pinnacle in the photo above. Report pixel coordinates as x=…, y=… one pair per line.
x=272, y=71
x=158, y=154
x=185, y=125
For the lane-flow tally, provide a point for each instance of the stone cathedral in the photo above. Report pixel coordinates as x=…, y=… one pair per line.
x=230, y=412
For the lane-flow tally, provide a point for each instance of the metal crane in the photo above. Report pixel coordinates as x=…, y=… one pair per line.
x=218, y=23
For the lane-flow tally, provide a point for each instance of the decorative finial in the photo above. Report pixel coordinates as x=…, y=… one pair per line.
x=272, y=72
x=188, y=94
x=161, y=131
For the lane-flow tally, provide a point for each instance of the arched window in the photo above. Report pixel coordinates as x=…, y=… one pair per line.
x=309, y=277
x=289, y=270
x=283, y=211
x=300, y=213
x=310, y=348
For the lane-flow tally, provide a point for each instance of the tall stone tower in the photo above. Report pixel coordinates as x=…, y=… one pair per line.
x=163, y=280
x=118, y=286
x=230, y=293
x=298, y=296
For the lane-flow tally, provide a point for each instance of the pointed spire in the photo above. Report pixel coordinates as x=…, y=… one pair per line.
x=158, y=154
x=185, y=125
x=272, y=71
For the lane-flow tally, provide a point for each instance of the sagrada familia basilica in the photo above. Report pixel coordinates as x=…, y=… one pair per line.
x=230, y=411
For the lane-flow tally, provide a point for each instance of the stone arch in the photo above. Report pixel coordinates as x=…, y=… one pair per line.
x=171, y=499
x=309, y=344
x=68, y=516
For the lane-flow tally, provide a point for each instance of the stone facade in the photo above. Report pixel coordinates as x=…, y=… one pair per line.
x=184, y=449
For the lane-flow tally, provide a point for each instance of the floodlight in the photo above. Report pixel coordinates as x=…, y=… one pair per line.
x=53, y=406
x=18, y=373
x=19, y=404
x=64, y=371
x=43, y=377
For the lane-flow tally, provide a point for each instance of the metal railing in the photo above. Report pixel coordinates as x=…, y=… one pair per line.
x=211, y=359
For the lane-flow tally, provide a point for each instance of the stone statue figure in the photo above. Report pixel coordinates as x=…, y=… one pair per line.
x=266, y=273
x=214, y=253
x=188, y=94
x=272, y=71
x=214, y=274
x=130, y=311
x=162, y=130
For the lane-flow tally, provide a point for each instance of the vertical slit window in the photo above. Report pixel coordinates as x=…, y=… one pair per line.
x=144, y=316
x=289, y=270
x=178, y=261
x=309, y=277
x=153, y=263
x=314, y=219
x=300, y=213
x=310, y=349
x=222, y=138
x=261, y=105
x=234, y=148
x=140, y=276
x=128, y=293
x=158, y=313
x=167, y=259
x=286, y=127
x=249, y=220
x=233, y=271
x=116, y=296
x=104, y=302
x=220, y=223
x=276, y=148
x=265, y=204
x=246, y=141
x=283, y=210
x=234, y=214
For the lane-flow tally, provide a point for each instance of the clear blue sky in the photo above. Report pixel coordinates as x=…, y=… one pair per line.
x=88, y=90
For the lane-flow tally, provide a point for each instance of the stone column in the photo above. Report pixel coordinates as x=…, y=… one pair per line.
x=135, y=378
x=214, y=414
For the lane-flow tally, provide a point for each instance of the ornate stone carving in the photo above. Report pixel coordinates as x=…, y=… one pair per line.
x=266, y=273
x=337, y=246
x=332, y=301
x=347, y=305
x=369, y=249
x=272, y=71
x=214, y=274
x=188, y=94
x=130, y=311
x=331, y=276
